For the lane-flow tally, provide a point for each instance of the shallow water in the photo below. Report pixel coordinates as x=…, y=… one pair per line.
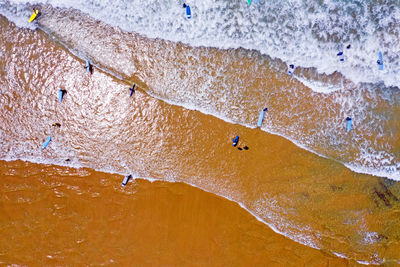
x=313, y=200
x=59, y=215
x=235, y=85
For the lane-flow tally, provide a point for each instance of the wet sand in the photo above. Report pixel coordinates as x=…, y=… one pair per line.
x=64, y=216
x=311, y=199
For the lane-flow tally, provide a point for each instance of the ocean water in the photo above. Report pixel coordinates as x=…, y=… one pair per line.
x=307, y=34
x=200, y=82
x=304, y=33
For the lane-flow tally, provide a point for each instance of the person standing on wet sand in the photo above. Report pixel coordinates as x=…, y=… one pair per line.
x=132, y=89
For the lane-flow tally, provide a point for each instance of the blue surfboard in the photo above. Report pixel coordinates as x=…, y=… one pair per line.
x=46, y=143
x=349, y=122
x=235, y=141
x=261, y=117
x=380, y=60
x=60, y=95
x=87, y=66
x=188, y=12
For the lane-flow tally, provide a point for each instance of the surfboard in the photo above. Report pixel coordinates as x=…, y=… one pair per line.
x=60, y=95
x=46, y=143
x=235, y=140
x=33, y=16
x=261, y=117
x=126, y=180
x=380, y=60
x=188, y=12
x=87, y=66
x=348, y=124
x=249, y=1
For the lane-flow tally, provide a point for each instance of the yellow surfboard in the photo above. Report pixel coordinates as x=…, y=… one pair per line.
x=33, y=15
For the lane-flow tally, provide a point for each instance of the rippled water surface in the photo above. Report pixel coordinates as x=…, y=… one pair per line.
x=188, y=105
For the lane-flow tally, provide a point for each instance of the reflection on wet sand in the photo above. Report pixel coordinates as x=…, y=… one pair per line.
x=64, y=216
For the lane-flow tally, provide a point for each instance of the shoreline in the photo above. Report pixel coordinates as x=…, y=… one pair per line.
x=292, y=167
x=152, y=87
x=88, y=173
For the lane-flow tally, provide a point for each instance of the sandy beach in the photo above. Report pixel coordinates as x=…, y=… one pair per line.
x=197, y=200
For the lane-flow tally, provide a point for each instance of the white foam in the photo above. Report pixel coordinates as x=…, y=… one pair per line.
x=304, y=33
x=17, y=13
x=224, y=106
x=318, y=86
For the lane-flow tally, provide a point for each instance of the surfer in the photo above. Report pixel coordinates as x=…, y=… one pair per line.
x=340, y=54
x=132, y=89
x=36, y=11
x=291, y=69
x=88, y=67
x=56, y=124
x=184, y=5
x=348, y=47
x=379, y=62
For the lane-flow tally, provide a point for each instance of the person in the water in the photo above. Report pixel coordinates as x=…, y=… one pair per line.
x=56, y=124
x=291, y=69
x=340, y=54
